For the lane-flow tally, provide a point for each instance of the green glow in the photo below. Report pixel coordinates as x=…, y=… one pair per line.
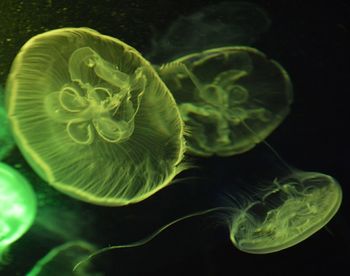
x=288, y=212
x=96, y=121
x=61, y=260
x=230, y=98
x=18, y=206
x=6, y=139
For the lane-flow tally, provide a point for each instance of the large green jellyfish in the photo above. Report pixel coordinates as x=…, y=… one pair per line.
x=289, y=211
x=230, y=98
x=18, y=206
x=6, y=139
x=93, y=118
x=61, y=260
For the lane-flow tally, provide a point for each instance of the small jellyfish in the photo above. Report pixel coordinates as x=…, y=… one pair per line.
x=6, y=139
x=217, y=25
x=93, y=118
x=288, y=211
x=61, y=260
x=18, y=206
x=230, y=98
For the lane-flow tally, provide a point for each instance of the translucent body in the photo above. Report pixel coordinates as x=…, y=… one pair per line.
x=230, y=98
x=18, y=206
x=93, y=118
x=217, y=25
x=6, y=139
x=289, y=211
x=61, y=260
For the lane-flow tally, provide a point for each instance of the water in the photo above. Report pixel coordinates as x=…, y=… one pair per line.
x=308, y=39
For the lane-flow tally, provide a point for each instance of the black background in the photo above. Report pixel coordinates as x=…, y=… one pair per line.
x=310, y=39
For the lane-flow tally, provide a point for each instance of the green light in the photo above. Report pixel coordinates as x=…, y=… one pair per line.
x=18, y=206
x=6, y=140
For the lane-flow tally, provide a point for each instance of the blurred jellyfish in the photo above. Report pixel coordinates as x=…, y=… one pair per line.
x=18, y=206
x=93, y=118
x=218, y=25
x=61, y=260
x=6, y=139
x=230, y=98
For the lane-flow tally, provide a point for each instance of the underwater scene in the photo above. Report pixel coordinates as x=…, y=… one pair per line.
x=174, y=137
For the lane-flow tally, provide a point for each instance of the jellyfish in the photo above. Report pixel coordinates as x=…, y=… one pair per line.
x=61, y=259
x=18, y=206
x=92, y=117
x=218, y=25
x=6, y=139
x=288, y=211
x=230, y=98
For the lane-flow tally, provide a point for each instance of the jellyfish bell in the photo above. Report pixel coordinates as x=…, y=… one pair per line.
x=93, y=118
x=288, y=211
x=230, y=98
x=283, y=211
x=18, y=206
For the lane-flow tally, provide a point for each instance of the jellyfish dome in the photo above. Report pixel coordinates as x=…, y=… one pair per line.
x=93, y=118
x=288, y=212
x=230, y=98
x=18, y=206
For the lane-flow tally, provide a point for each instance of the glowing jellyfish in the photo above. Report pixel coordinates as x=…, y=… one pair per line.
x=6, y=139
x=93, y=118
x=217, y=25
x=18, y=206
x=288, y=212
x=230, y=98
x=61, y=260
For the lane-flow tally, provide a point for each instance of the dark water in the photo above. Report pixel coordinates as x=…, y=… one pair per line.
x=309, y=39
